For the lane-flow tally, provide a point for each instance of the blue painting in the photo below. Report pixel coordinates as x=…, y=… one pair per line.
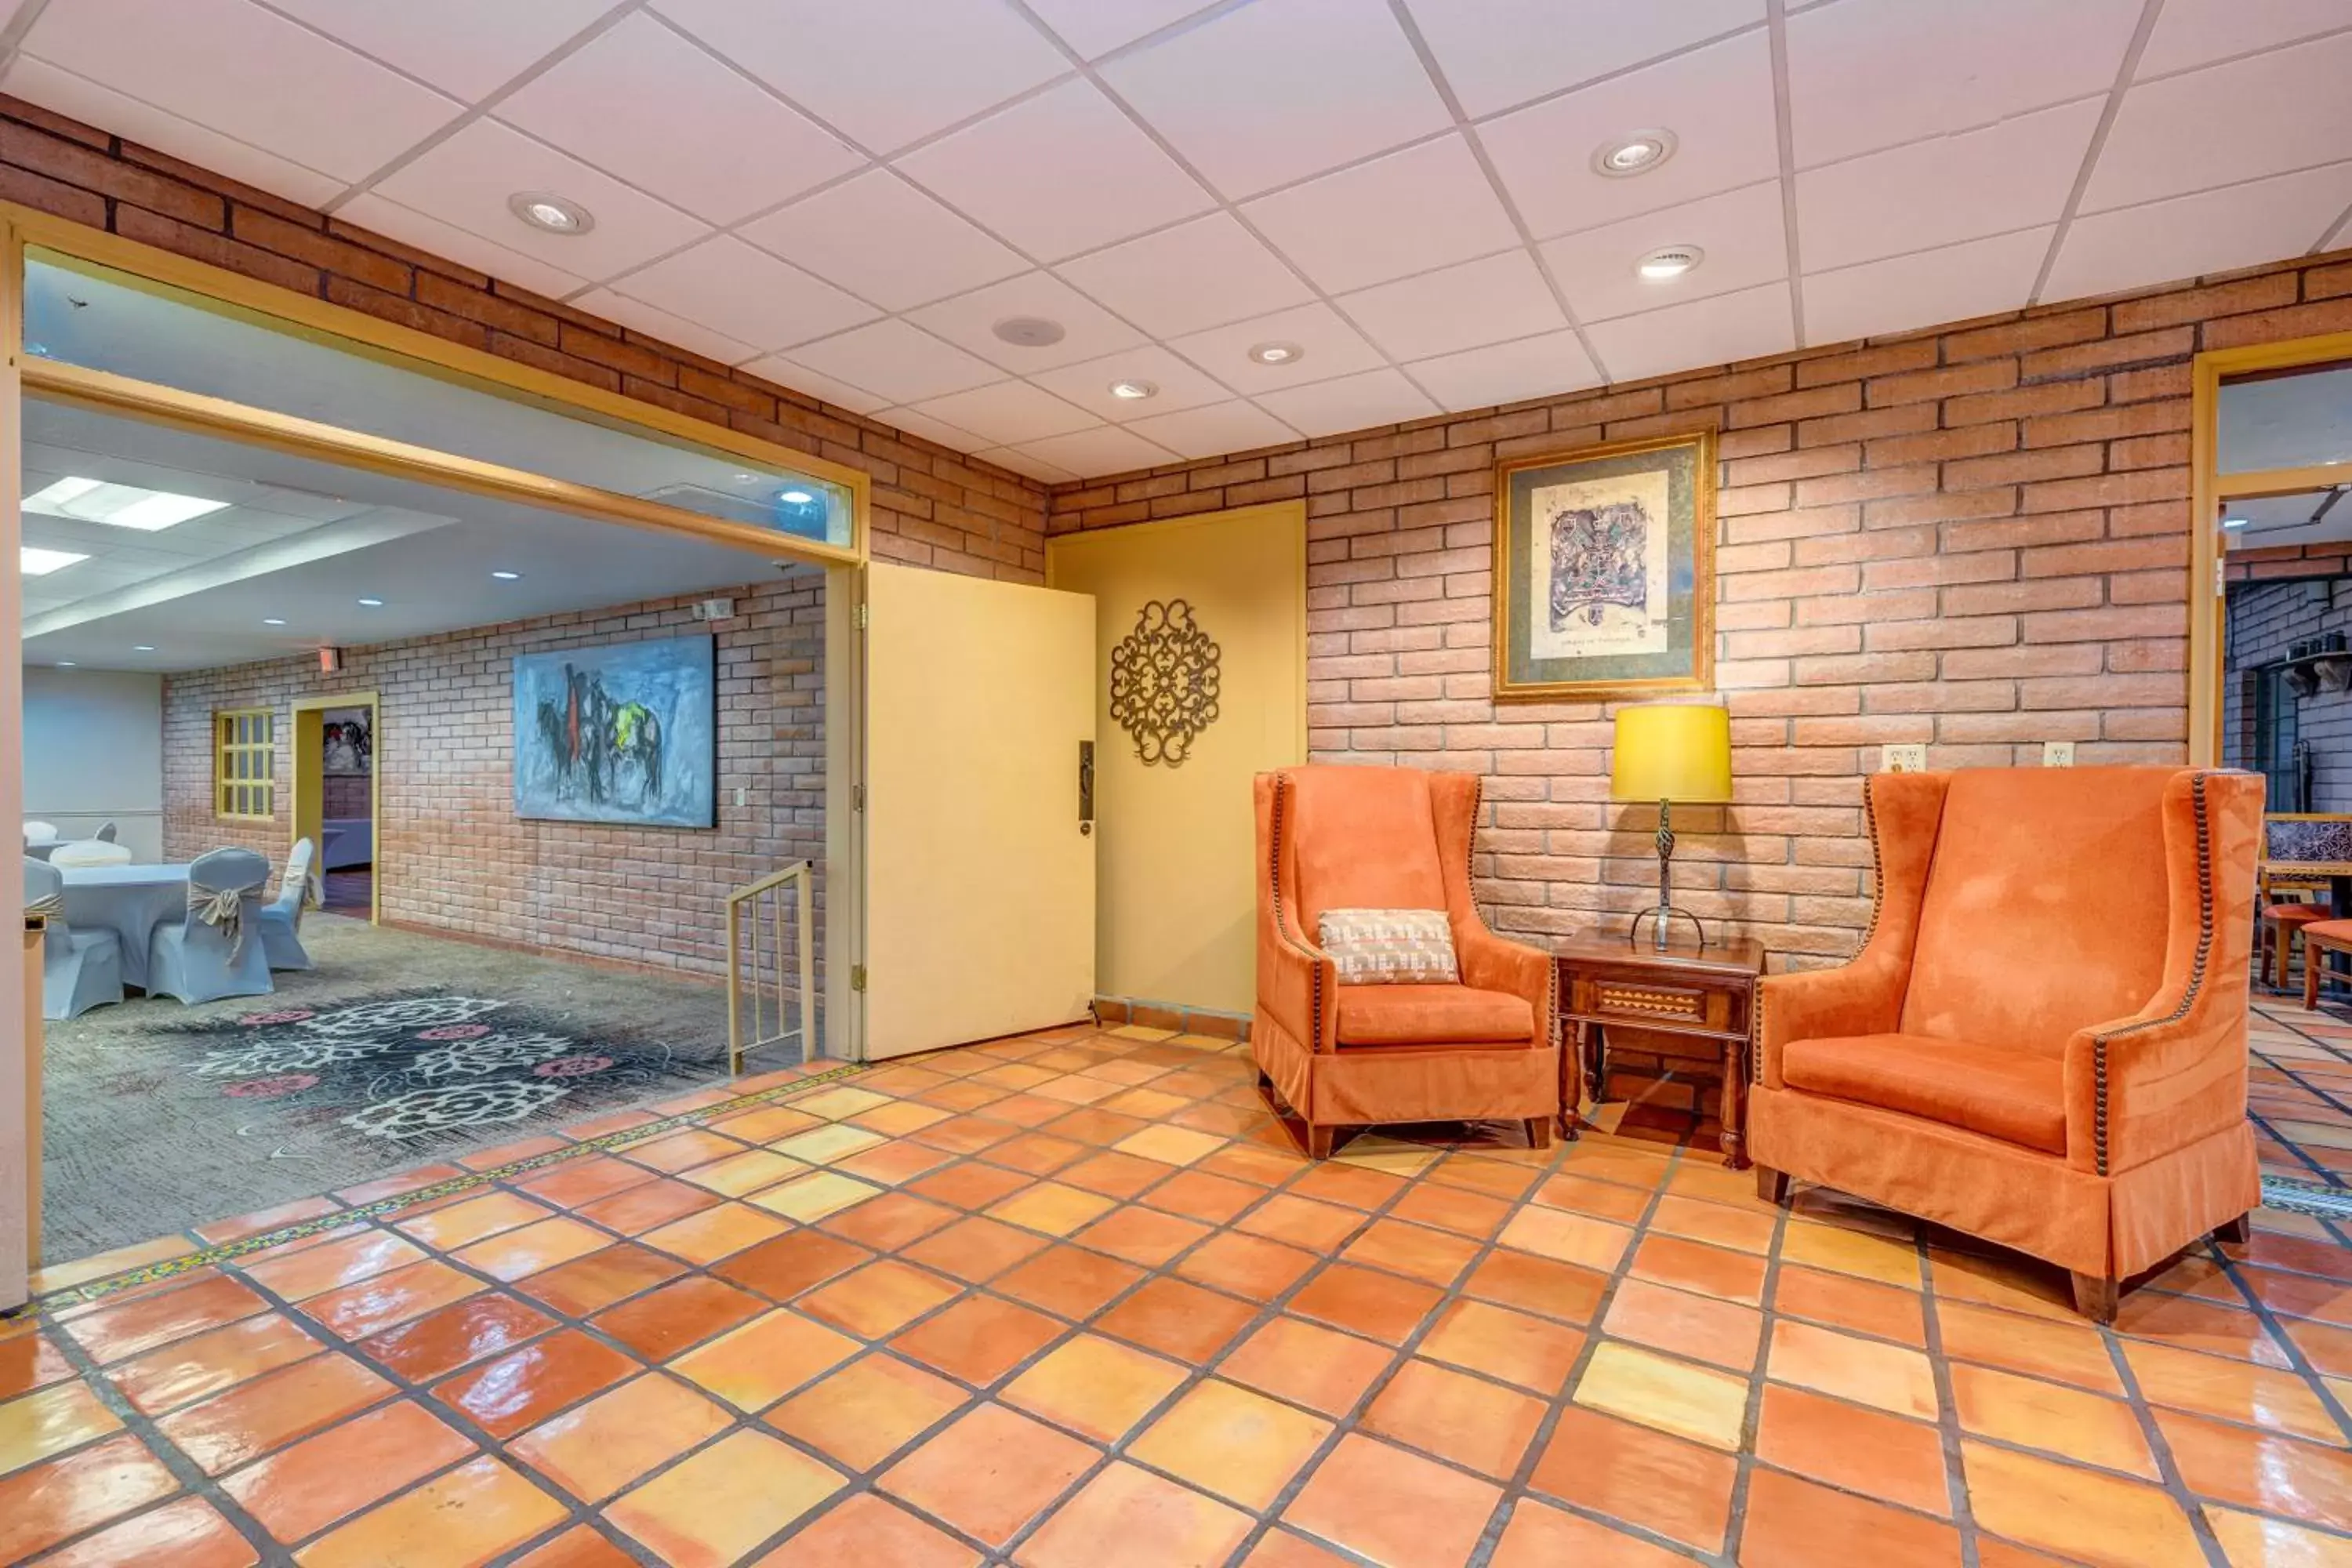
x=625, y=733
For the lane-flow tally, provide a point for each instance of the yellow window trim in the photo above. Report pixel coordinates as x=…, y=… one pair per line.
x=241, y=763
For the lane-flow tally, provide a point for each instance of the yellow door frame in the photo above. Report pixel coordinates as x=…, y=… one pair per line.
x=306, y=735
x=2208, y=543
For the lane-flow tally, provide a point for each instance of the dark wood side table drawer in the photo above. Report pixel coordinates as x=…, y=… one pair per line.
x=1715, y=1010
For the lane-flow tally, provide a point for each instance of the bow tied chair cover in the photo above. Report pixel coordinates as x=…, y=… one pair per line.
x=80, y=970
x=212, y=954
x=279, y=921
x=2042, y=1041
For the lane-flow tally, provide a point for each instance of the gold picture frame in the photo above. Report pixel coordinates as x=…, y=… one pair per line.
x=1613, y=595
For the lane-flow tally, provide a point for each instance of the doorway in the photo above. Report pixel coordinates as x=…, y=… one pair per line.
x=331, y=753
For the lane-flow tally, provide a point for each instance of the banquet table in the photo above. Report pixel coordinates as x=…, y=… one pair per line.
x=130, y=901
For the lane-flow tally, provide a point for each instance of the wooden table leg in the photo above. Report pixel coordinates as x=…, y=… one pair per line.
x=1735, y=1105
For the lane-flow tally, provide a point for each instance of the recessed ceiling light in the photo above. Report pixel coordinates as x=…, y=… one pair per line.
x=273, y=620
x=38, y=563
x=1030, y=331
x=122, y=506
x=550, y=213
x=1635, y=153
x=1668, y=261
x=65, y=664
x=1276, y=354
x=794, y=498
x=143, y=648
x=1134, y=391
x=2233, y=522
x=507, y=576
x=373, y=603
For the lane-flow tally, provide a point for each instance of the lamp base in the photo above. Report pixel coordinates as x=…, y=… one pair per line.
x=1659, y=938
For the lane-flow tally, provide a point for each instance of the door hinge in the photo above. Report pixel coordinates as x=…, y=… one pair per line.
x=2221, y=577
x=858, y=797
x=859, y=616
x=857, y=977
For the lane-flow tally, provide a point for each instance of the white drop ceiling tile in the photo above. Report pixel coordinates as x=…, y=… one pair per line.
x=1333, y=348
x=644, y=103
x=937, y=431
x=800, y=378
x=1728, y=327
x=1740, y=232
x=434, y=237
x=1867, y=74
x=1022, y=463
x=1542, y=366
x=244, y=72
x=882, y=72
x=1280, y=89
x=1088, y=384
x=901, y=363
x=658, y=322
x=1008, y=414
x=1105, y=449
x=1717, y=100
x=1215, y=429
x=1406, y=213
x=1057, y=174
x=1351, y=403
x=744, y=292
x=78, y=97
x=461, y=47
x=2011, y=175
x=1496, y=53
x=881, y=237
x=465, y=181
x=1199, y=274
x=969, y=319
x=1095, y=28
x=2189, y=235
x=2274, y=112
x=1457, y=307
x=2192, y=32
x=1951, y=283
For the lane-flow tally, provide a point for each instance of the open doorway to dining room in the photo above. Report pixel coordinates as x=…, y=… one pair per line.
x=332, y=754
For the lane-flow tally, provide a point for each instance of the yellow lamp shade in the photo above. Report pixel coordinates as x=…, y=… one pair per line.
x=1672, y=751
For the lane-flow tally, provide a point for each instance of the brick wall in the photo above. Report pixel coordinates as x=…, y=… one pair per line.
x=450, y=853
x=2265, y=620
x=1975, y=537
x=932, y=507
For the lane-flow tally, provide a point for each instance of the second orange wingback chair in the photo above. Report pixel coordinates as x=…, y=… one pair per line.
x=1354, y=1055
x=2042, y=1041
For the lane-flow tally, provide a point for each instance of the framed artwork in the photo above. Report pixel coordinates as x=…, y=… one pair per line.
x=627, y=733
x=347, y=742
x=1604, y=572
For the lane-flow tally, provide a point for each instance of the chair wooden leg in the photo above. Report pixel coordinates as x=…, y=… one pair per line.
x=1771, y=1185
x=2312, y=963
x=1319, y=1141
x=2095, y=1298
x=2237, y=1232
x=1538, y=1131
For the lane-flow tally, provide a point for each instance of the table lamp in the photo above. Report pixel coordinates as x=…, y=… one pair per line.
x=1670, y=752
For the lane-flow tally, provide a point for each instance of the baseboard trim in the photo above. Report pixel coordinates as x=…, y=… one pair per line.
x=1112, y=1012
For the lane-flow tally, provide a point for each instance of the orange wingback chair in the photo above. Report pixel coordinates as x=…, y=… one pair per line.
x=2042, y=1041
x=1352, y=1055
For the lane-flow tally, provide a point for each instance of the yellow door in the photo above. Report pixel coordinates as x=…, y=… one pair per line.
x=1178, y=920
x=980, y=874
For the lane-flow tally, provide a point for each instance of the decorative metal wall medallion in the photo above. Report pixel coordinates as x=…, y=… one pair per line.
x=1163, y=682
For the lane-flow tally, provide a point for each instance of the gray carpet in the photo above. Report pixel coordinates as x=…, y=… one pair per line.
x=398, y=1049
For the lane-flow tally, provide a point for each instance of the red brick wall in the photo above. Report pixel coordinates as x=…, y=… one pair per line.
x=932, y=507
x=450, y=853
x=1976, y=537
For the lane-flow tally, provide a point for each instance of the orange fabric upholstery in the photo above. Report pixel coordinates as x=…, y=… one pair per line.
x=2297, y=914
x=2042, y=1040
x=1349, y=837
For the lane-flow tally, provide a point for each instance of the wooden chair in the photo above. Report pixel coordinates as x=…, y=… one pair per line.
x=2301, y=851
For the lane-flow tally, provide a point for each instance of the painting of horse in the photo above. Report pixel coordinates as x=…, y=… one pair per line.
x=626, y=732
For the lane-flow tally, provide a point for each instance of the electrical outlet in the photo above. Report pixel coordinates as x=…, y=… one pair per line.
x=739, y=794
x=2057, y=753
x=1907, y=758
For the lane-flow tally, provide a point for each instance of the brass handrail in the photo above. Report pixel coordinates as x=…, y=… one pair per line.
x=767, y=983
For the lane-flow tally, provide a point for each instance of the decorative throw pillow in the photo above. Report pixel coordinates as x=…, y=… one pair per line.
x=1389, y=947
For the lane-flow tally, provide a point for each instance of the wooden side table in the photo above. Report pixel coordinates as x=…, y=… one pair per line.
x=1709, y=995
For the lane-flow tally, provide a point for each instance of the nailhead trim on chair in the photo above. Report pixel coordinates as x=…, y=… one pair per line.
x=1274, y=880
x=2195, y=967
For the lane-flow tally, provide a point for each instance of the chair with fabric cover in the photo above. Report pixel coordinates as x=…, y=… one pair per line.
x=218, y=950
x=40, y=832
x=280, y=920
x=80, y=969
x=1997, y=1062
x=105, y=835
x=1346, y=1056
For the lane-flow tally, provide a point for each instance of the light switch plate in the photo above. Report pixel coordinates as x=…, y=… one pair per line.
x=1904, y=759
x=2057, y=753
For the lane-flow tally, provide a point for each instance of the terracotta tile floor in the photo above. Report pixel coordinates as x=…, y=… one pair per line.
x=1073, y=1301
